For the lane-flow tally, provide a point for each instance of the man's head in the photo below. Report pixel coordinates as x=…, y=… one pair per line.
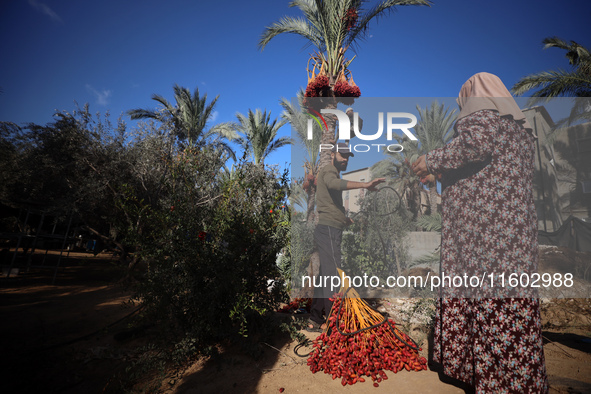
x=340, y=154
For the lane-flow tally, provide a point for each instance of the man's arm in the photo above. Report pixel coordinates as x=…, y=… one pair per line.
x=371, y=185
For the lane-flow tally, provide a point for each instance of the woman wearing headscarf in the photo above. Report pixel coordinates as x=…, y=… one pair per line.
x=487, y=335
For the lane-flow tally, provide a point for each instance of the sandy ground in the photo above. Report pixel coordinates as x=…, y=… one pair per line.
x=567, y=352
x=63, y=338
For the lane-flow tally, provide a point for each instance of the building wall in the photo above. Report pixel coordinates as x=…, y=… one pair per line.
x=351, y=197
x=546, y=194
x=572, y=152
x=422, y=243
x=562, y=178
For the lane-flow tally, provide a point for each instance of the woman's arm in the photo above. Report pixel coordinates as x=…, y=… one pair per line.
x=474, y=143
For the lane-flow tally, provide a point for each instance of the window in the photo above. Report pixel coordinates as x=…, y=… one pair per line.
x=586, y=186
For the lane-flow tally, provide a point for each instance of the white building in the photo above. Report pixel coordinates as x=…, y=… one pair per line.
x=351, y=197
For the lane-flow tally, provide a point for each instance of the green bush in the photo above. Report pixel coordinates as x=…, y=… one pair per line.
x=375, y=243
x=300, y=250
x=211, y=244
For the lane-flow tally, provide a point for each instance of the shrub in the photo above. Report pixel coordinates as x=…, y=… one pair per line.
x=375, y=243
x=300, y=250
x=211, y=244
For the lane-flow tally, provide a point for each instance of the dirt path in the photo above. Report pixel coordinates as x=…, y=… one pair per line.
x=61, y=338
x=55, y=338
x=568, y=362
x=239, y=374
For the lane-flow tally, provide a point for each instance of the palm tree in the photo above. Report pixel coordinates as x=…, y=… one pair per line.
x=298, y=196
x=259, y=134
x=189, y=117
x=434, y=130
x=293, y=114
x=561, y=83
x=331, y=27
x=397, y=168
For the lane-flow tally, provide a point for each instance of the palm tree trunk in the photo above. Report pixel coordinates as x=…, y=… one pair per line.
x=416, y=199
x=328, y=136
x=433, y=197
x=310, y=212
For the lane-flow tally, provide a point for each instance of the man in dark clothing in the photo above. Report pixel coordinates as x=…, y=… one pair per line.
x=332, y=219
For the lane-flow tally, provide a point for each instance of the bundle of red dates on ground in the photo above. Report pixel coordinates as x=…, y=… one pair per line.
x=359, y=343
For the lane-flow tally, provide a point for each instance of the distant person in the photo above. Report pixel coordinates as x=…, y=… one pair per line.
x=489, y=339
x=332, y=219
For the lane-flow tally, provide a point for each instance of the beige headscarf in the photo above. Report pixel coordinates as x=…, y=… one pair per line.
x=487, y=91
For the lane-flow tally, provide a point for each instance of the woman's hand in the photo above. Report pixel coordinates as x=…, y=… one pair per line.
x=419, y=167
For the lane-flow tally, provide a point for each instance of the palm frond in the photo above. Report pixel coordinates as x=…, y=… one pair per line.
x=164, y=102
x=137, y=114
x=223, y=147
x=576, y=54
x=189, y=116
x=327, y=26
x=555, y=42
x=259, y=134
x=557, y=83
x=293, y=25
x=580, y=112
x=293, y=114
x=427, y=259
x=298, y=196
x=359, y=31
x=435, y=126
x=225, y=130
x=430, y=222
x=278, y=143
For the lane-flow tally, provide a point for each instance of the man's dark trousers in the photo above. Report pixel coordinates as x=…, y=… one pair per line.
x=328, y=243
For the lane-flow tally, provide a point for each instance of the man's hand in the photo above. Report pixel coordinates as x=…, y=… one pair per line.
x=371, y=185
x=419, y=167
x=348, y=221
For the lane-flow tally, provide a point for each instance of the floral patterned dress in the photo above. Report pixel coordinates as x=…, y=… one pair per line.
x=492, y=342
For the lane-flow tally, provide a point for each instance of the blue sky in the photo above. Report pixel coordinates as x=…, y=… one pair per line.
x=115, y=54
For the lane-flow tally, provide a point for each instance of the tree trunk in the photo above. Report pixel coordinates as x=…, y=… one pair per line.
x=415, y=199
x=109, y=240
x=310, y=212
x=328, y=136
x=433, y=197
x=134, y=261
